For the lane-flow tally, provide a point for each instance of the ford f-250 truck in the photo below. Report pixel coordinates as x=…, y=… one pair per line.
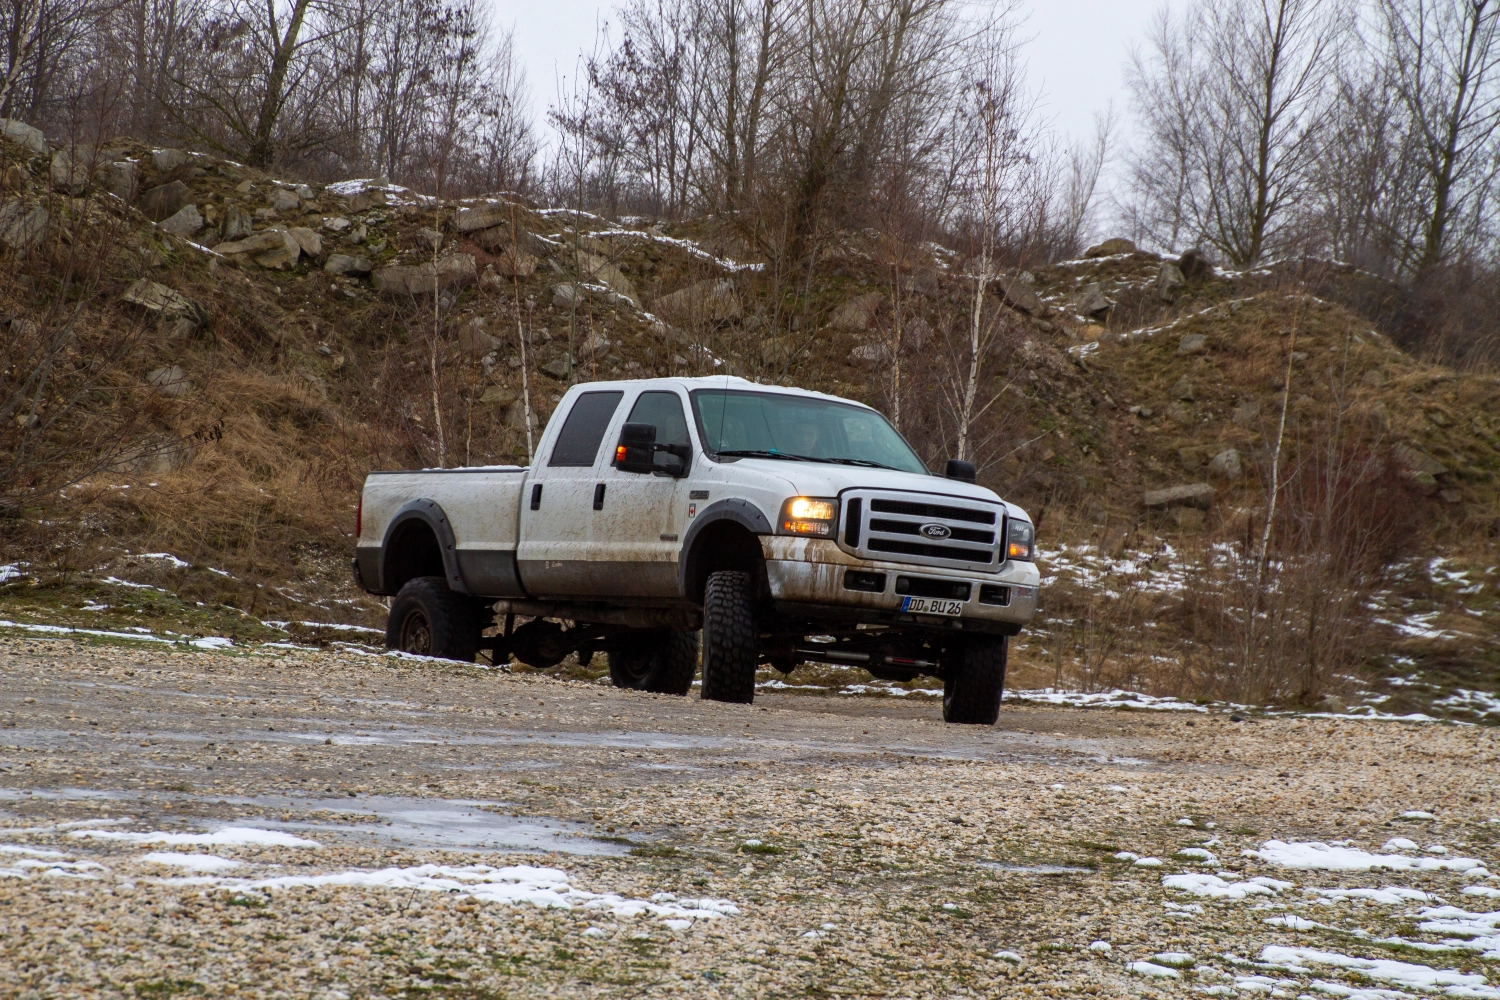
x=789, y=526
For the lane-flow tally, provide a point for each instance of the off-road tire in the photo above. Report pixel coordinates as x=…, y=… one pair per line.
x=430, y=620
x=661, y=660
x=729, y=658
x=973, y=680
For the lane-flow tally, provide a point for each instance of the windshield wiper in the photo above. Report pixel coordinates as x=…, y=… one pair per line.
x=858, y=461
x=754, y=453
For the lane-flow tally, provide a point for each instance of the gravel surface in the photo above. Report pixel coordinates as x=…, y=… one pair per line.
x=335, y=825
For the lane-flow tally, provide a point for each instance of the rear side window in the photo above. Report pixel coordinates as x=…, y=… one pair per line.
x=578, y=441
x=664, y=411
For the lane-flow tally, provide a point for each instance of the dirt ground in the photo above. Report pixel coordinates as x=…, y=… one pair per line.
x=338, y=824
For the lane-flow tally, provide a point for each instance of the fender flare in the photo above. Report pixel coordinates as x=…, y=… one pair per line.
x=430, y=513
x=741, y=512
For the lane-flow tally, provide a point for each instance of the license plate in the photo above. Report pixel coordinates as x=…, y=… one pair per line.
x=931, y=606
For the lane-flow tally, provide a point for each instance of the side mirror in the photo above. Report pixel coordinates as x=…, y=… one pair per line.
x=637, y=448
x=962, y=471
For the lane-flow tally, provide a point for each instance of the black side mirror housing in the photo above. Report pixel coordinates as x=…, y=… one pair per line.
x=962, y=471
x=637, y=452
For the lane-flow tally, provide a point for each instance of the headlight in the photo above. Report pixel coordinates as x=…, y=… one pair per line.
x=809, y=516
x=1020, y=542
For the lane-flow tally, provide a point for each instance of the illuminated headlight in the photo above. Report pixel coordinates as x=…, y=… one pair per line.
x=1020, y=541
x=809, y=516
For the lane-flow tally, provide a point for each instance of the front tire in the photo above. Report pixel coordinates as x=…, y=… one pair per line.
x=973, y=681
x=660, y=661
x=729, y=658
x=428, y=619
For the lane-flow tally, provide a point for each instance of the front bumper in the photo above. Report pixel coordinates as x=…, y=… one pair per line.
x=808, y=574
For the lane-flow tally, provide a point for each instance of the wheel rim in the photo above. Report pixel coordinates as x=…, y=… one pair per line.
x=416, y=633
x=632, y=665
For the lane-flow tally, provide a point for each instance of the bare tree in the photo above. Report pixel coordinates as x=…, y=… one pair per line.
x=1444, y=60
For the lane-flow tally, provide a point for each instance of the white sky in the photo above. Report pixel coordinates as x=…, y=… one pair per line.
x=1076, y=55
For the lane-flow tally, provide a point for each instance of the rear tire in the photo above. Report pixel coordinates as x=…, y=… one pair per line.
x=428, y=619
x=973, y=680
x=661, y=661
x=729, y=658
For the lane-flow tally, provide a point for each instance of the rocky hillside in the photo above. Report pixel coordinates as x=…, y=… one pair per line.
x=237, y=350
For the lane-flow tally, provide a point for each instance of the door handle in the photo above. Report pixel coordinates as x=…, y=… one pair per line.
x=536, y=496
x=598, y=496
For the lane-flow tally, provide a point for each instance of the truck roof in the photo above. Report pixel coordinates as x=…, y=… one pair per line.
x=715, y=382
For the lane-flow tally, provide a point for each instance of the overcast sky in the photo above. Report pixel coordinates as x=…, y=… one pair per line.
x=1076, y=55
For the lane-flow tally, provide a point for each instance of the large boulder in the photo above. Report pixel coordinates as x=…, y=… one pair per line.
x=453, y=271
x=310, y=242
x=1226, y=463
x=164, y=201
x=72, y=169
x=704, y=302
x=1094, y=302
x=167, y=160
x=1110, y=248
x=1199, y=495
x=1017, y=293
x=857, y=313
x=472, y=220
x=472, y=338
x=237, y=223
x=167, y=303
x=599, y=269
x=1194, y=266
x=22, y=134
x=1415, y=460
x=283, y=200
x=22, y=223
x=170, y=381
x=120, y=178
x=515, y=263
x=342, y=263
x=1169, y=282
x=274, y=249
x=185, y=223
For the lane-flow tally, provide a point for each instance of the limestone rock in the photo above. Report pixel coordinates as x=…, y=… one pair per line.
x=868, y=354
x=72, y=169
x=157, y=455
x=270, y=248
x=310, y=242
x=595, y=346
x=282, y=200
x=557, y=368
x=167, y=160
x=472, y=338
x=429, y=240
x=515, y=263
x=1109, y=248
x=1094, y=302
x=119, y=178
x=1183, y=389
x=185, y=222
x=453, y=271
x=237, y=223
x=923, y=281
x=1017, y=293
x=336, y=225
x=170, y=381
x=1192, y=343
x=22, y=223
x=1199, y=495
x=305, y=193
x=471, y=220
x=599, y=269
x=704, y=302
x=567, y=295
x=1169, y=282
x=1226, y=463
x=1375, y=378
x=1245, y=414
x=858, y=313
x=22, y=134
x=498, y=395
x=342, y=263
x=164, y=201
x=1180, y=412
x=1415, y=460
x=916, y=334
x=166, y=302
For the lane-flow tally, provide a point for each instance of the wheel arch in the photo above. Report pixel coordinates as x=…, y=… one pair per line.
x=419, y=542
x=725, y=535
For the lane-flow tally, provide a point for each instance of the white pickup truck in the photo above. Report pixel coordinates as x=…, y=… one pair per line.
x=789, y=526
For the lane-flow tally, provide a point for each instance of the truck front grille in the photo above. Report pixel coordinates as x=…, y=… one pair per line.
x=937, y=531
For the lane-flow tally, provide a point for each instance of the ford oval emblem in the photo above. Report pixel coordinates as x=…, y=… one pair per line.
x=935, y=530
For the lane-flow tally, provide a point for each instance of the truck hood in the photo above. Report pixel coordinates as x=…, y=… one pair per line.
x=815, y=479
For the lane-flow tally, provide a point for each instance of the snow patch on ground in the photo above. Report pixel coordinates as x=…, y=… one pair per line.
x=230, y=836
x=1214, y=887
x=1420, y=977
x=190, y=862
x=1313, y=855
x=1104, y=699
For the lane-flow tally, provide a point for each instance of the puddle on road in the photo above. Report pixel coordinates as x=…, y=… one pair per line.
x=441, y=824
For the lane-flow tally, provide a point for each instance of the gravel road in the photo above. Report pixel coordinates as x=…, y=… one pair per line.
x=338, y=824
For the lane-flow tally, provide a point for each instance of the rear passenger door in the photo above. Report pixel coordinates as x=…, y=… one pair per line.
x=557, y=512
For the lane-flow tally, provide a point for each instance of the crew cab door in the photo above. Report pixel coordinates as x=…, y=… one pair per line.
x=637, y=534
x=557, y=505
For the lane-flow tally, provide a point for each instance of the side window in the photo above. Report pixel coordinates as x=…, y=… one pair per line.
x=578, y=441
x=664, y=410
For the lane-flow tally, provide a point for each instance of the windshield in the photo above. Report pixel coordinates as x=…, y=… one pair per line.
x=799, y=428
